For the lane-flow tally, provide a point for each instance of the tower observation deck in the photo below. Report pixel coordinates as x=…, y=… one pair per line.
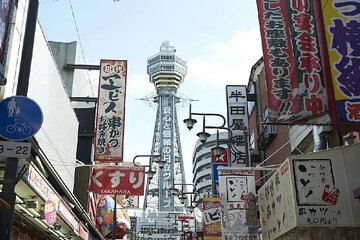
x=166, y=71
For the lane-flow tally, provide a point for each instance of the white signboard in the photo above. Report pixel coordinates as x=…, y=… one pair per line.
x=110, y=117
x=15, y=149
x=238, y=203
x=312, y=190
x=238, y=123
x=321, y=189
x=276, y=204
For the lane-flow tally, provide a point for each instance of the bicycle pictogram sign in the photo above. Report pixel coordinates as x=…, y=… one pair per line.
x=20, y=118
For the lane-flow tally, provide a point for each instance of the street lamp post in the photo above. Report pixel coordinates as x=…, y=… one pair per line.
x=150, y=173
x=203, y=136
x=7, y=193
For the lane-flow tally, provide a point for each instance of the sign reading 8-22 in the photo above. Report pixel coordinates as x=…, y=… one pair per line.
x=15, y=149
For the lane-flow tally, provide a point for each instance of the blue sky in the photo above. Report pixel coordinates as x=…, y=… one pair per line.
x=220, y=40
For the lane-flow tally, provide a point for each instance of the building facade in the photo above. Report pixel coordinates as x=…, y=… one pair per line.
x=202, y=164
x=46, y=206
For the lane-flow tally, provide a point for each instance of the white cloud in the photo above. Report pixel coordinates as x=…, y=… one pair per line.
x=138, y=85
x=227, y=62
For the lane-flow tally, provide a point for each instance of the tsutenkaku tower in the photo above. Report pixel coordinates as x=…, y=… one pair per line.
x=166, y=71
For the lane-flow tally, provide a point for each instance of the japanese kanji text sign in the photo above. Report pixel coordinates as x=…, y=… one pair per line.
x=276, y=204
x=296, y=90
x=111, y=111
x=117, y=180
x=238, y=203
x=342, y=27
x=237, y=113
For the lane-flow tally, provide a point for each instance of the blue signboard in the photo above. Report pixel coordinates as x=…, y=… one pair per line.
x=215, y=177
x=20, y=118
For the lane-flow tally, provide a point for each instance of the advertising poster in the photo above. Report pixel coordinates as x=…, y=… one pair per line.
x=296, y=90
x=238, y=204
x=212, y=218
x=110, y=118
x=341, y=26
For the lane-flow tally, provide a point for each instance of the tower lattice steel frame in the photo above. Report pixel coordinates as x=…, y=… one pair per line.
x=166, y=71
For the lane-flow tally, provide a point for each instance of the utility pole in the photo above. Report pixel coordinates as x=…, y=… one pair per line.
x=8, y=195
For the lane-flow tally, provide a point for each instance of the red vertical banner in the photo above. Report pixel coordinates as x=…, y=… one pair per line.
x=110, y=118
x=296, y=91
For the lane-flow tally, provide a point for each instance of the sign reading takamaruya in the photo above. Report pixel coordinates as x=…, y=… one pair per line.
x=117, y=180
x=111, y=111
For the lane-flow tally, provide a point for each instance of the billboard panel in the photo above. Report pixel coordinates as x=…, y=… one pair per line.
x=341, y=26
x=110, y=118
x=312, y=190
x=120, y=180
x=324, y=183
x=294, y=79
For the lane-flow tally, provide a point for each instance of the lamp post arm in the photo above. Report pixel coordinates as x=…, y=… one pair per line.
x=150, y=160
x=214, y=115
x=223, y=128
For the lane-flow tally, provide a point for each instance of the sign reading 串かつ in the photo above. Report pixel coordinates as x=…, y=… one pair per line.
x=111, y=111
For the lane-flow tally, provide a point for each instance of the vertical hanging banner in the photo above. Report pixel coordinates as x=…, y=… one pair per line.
x=110, y=118
x=212, y=218
x=5, y=13
x=342, y=26
x=296, y=90
x=238, y=123
x=238, y=204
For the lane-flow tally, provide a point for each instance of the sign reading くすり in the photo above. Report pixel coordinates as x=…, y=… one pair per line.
x=117, y=180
